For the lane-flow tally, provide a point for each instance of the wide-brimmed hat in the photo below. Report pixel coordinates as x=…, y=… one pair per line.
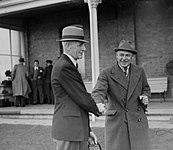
x=126, y=45
x=73, y=33
x=21, y=59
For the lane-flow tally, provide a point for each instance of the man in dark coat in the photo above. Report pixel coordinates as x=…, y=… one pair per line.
x=37, y=83
x=47, y=82
x=70, y=127
x=126, y=89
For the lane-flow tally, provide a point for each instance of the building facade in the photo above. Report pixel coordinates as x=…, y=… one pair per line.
x=148, y=23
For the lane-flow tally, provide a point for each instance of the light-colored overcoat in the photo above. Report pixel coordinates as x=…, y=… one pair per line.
x=20, y=84
x=72, y=103
x=126, y=126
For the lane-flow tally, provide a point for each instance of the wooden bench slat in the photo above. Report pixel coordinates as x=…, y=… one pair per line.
x=158, y=85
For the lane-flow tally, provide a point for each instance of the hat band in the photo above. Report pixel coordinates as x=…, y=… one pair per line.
x=73, y=37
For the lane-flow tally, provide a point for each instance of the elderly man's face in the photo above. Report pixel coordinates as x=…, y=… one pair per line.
x=124, y=58
x=77, y=49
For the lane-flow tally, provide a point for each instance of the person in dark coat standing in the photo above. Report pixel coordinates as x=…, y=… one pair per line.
x=125, y=87
x=70, y=127
x=47, y=82
x=20, y=86
x=37, y=83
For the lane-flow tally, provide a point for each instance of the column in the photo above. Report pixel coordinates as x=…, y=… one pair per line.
x=92, y=4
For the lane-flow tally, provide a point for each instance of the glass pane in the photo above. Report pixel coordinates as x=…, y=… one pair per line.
x=4, y=41
x=22, y=44
x=4, y=66
x=15, y=42
x=15, y=60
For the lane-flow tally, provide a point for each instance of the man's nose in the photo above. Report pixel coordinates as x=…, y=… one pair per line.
x=83, y=48
x=124, y=57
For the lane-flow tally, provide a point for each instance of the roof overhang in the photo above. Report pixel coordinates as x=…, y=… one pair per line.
x=13, y=6
x=14, y=12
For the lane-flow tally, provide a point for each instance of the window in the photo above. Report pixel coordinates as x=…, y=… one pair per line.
x=11, y=48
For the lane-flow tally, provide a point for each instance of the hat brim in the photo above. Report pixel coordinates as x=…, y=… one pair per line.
x=65, y=40
x=127, y=50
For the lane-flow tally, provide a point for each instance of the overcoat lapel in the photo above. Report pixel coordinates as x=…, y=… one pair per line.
x=76, y=72
x=133, y=80
x=118, y=75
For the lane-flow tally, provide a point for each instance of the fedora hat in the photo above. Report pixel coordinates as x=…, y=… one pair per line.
x=49, y=61
x=73, y=33
x=21, y=59
x=126, y=45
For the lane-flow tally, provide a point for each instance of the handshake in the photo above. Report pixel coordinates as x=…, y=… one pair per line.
x=101, y=107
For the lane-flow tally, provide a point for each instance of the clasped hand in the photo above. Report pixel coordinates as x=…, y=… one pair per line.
x=101, y=107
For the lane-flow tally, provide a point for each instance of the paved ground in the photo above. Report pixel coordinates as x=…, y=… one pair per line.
x=160, y=115
x=35, y=133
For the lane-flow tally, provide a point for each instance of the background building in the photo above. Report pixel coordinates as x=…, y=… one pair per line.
x=37, y=24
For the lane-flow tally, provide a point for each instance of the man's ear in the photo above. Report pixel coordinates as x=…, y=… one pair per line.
x=68, y=47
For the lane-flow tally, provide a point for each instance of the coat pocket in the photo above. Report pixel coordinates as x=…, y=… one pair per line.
x=110, y=113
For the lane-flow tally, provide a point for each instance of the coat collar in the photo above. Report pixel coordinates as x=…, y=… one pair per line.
x=76, y=72
x=118, y=75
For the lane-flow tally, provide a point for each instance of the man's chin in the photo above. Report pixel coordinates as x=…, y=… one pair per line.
x=124, y=65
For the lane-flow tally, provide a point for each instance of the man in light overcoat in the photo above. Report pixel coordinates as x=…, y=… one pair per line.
x=124, y=86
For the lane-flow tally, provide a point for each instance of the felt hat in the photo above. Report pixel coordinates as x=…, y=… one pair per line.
x=126, y=45
x=49, y=61
x=21, y=59
x=73, y=33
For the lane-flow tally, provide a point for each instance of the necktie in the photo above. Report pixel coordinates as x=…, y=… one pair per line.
x=125, y=71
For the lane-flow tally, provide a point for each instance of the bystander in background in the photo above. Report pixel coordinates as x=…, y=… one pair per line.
x=47, y=82
x=20, y=86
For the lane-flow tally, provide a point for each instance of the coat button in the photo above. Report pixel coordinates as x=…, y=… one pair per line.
x=125, y=122
x=127, y=110
x=139, y=108
x=139, y=119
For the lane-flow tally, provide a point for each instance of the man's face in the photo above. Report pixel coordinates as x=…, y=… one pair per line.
x=124, y=58
x=76, y=49
x=35, y=64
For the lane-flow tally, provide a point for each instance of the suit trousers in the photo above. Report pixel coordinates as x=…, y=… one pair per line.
x=37, y=93
x=71, y=145
x=48, y=93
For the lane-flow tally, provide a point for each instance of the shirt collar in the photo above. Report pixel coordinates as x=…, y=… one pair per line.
x=127, y=70
x=71, y=58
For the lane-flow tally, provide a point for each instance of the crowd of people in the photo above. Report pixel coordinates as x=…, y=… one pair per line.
x=34, y=87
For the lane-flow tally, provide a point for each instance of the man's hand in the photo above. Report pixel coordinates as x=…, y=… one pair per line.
x=92, y=138
x=101, y=107
x=144, y=99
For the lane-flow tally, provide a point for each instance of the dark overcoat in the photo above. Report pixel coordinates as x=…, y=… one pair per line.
x=47, y=74
x=126, y=125
x=72, y=103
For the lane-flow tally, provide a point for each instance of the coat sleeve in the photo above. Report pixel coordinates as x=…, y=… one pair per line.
x=13, y=72
x=73, y=85
x=145, y=86
x=99, y=92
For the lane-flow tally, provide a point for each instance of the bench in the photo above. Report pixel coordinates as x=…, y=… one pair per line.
x=158, y=85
